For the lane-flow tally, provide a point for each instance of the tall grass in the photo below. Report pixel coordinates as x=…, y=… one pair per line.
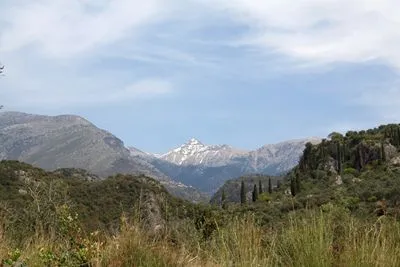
x=324, y=237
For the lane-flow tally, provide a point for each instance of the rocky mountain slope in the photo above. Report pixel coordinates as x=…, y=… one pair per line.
x=196, y=153
x=207, y=167
x=68, y=141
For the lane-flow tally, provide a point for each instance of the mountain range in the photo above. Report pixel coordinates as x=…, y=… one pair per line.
x=69, y=141
x=189, y=171
x=207, y=167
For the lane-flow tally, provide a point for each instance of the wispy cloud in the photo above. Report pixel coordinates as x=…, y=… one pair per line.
x=57, y=51
x=66, y=28
x=320, y=32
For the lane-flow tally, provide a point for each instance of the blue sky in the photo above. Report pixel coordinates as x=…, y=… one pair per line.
x=241, y=72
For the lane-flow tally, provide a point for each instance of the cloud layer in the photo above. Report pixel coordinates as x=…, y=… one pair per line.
x=321, y=32
x=62, y=48
x=67, y=28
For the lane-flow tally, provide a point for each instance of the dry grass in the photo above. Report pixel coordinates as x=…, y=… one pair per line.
x=313, y=238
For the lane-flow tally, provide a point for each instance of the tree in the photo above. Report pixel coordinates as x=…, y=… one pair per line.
x=223, y=199
x=242, y=193
x=255, y=193
x=260, y=189
x=383, y=152
x=297, y=183
x=306, y=160
x=269, y=186
x=339, y=158
x=335, y=136
x=293, y=186
x=398, y=137
x=278, y=185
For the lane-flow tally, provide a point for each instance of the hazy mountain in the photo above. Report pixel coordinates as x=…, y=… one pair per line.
x=207, y=167
x=68, y=141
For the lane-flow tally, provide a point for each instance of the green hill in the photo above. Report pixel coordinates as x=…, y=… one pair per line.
x=28, y=195
x=358, y=170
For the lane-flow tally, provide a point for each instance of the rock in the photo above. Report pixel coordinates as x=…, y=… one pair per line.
x=22, y=191
x=395, y=161
x=338, y=180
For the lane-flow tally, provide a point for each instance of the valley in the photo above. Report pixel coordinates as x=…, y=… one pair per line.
x=348, y=182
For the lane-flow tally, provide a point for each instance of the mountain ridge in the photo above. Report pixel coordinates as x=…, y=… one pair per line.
x=70, y=141
x=207, y=167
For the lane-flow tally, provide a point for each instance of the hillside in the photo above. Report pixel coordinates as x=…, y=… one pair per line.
x=99, y=203
x=359, y=171
x=69, y=141
x=327, y=211
x=231, y=188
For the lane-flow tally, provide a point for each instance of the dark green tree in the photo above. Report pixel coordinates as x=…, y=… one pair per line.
x=223, y=197
x=383, y=152
x=339, y=157
x=255, y=193
x=260, y=188
x=297, y=183
x=278, y=184
x=360, y=156
x=306, y=160
x=269, y=186
x=293, y=186
x=242, y=193
x=398, y=136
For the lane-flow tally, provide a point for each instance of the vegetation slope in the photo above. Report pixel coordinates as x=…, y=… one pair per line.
x=339, y=207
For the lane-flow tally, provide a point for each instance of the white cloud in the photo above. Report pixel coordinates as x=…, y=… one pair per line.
x=321, y=31
x=65, y=28
x=53, y=49
x=69, y=33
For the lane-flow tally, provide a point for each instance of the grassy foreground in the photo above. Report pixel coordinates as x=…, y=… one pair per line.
x=329, y=236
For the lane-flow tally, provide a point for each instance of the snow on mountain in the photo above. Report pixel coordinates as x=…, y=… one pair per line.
x=285, y=155
x=196, y=153
x=207, y=167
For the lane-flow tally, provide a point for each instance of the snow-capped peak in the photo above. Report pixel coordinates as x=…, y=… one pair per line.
x=194, y=141
x=192, y=147
x=195, y=152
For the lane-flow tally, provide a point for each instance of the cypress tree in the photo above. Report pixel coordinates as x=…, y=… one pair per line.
x=339, y=158
x=360, y=156
x=297, y=183
x=383, y=152
x=293, y=186
x=242, y=193
x=255, y=193
x=398, y=137
x=223, y=197
x=260, y=189
x=269, y=186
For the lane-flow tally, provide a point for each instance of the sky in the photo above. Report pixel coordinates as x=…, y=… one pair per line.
x=242, y=72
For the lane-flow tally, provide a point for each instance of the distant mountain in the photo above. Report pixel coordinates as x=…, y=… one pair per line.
x=196, y=153
x=69, y=141
x=207, y=167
